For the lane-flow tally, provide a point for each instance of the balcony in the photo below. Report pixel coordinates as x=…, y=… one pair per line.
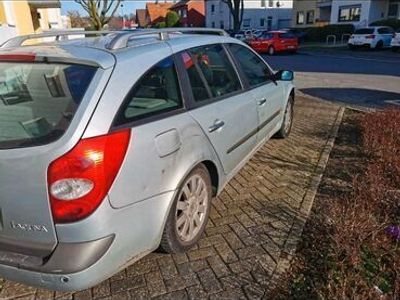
x=44, y=3
x=324, y=3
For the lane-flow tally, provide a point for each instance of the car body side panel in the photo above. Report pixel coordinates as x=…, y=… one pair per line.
x=166, y=168
x=270, y=98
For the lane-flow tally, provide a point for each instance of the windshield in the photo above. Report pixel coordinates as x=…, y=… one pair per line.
x=38, y=101
x=364, y=31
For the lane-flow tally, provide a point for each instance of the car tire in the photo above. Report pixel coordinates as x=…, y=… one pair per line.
x=271, y=50
x=287, y=122
x=379, y=45
x=192, y=204
x=395, y=49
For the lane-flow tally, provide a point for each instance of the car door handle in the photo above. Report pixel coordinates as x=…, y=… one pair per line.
x=217, y=125
x=262, y=101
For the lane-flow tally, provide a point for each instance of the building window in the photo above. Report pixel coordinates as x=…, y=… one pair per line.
x=271, y=3
x=246, y=23
x=269, y=23
x=212, y=9
x=263, y=3
x=262, y=22
x=310, y=17
x=221, y=24
x=393, y=10
x=213, y=24
x=184, y=13
x=350, y=13
x=300, y=18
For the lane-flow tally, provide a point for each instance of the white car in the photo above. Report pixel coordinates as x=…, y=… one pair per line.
x=247, y=34
x=376, y=37
x=396, y=41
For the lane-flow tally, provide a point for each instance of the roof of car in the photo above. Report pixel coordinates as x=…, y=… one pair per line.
x=91, y=50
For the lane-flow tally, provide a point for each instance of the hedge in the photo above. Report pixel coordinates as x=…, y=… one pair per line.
x=319, y=34
x=394, y=23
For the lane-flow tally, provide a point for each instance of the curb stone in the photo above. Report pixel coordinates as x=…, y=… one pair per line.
x=296, y=230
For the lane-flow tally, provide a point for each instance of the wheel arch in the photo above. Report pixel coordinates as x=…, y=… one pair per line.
x=214, y=176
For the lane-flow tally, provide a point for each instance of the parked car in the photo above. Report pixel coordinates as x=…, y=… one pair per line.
x=244, y=35
x=297, y=32
x=272, y=42
x=111, y=148
x=395, y=44
x=376, y=37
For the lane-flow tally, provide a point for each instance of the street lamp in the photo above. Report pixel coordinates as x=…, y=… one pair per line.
x=123, y=16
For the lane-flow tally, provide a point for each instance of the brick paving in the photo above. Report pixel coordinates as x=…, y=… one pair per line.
x=254, y=227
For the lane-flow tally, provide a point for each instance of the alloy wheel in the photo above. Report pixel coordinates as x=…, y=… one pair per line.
x=191, y=208
x=288, y=117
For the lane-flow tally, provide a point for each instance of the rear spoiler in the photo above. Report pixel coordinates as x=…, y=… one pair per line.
x=30, y=57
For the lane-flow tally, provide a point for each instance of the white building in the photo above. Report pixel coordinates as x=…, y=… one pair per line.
x=258, y=14
x=363, y=12
x=359, y=13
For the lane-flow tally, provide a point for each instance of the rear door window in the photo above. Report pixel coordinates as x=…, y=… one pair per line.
x=38, y=101
x=156, y=92
x=215, y=70
x=385, y=31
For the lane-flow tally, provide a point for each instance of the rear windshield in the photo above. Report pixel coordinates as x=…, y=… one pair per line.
x=364, y=31
x=38, y=101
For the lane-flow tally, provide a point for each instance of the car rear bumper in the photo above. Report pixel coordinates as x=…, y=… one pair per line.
x=80, y=265
x=361, y=43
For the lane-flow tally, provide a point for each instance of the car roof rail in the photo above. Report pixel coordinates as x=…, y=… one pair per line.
x=19, y=40
x=121, y=40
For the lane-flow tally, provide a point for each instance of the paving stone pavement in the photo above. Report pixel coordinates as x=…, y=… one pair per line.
x=254, y=227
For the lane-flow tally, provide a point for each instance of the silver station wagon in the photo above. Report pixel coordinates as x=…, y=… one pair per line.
x=114, y=144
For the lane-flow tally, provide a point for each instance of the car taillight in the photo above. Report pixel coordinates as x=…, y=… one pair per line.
x=79, y=180
x=371, y=36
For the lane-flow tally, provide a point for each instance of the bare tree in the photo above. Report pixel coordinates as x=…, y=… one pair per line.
x=77, y=21
x=236, y=8
x=100, y=11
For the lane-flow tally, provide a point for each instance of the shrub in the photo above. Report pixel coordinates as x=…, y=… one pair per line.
x=350, y=246
x=394, y=23
x=319, y=34
x=172, y=19
x=160, y=25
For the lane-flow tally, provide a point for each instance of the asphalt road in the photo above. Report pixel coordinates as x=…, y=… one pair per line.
x=361, y=79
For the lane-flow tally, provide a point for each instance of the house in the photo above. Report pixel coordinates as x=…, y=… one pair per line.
x=258, y=14
x=142, y=18
x=310, y=13
x=156, y=12
x=356, y=12
x=29, y=16
x=191, y=12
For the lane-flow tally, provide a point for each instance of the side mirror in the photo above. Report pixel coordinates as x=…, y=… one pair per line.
x=284, y=75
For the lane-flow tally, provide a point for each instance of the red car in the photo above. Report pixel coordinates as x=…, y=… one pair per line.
x=272, y=42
